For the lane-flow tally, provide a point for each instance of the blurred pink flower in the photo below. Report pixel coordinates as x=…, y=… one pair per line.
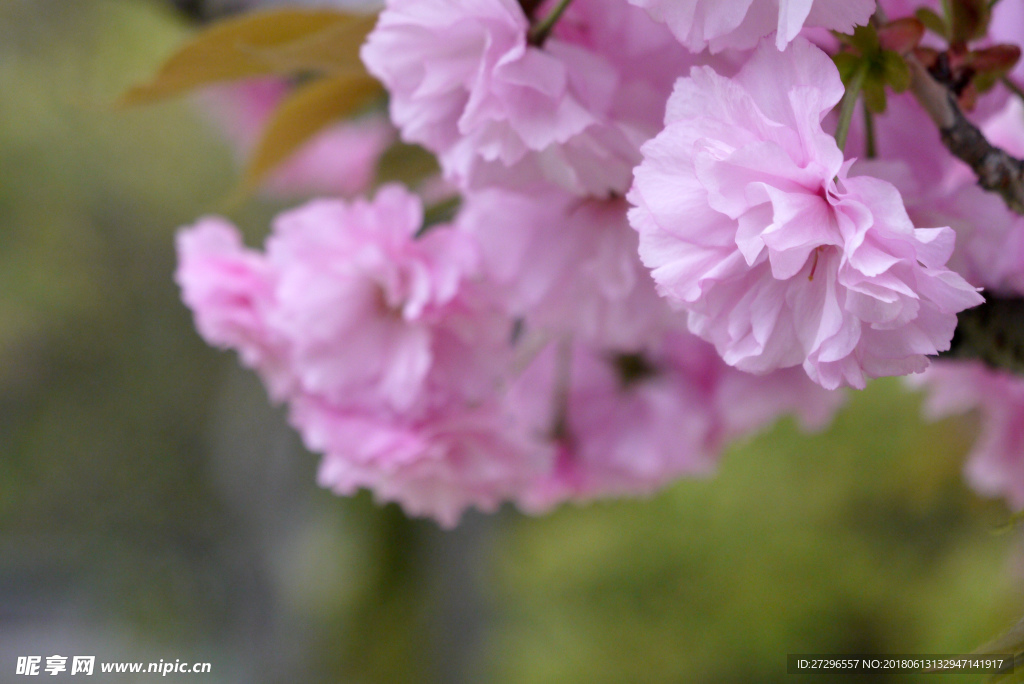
x=749, y=222
x=359, y=298
x=387, y=352
x=341, y=160
x=630, y=424
x=739, y=24
x=434, y=464
x=230, y=290
x=995, y=465
x=567, y=265
x=400, y=368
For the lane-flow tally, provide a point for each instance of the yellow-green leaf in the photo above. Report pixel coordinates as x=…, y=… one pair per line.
x=874, y=96
x=334, y=50
x=243, y=48
x=847, y=63
x=406, y=164
x=895, y=71
x=933, y=22
x=969, y=19
x=306, y=112
x=865, y=39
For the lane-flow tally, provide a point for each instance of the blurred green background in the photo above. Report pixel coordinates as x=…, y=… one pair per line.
x=153, y=506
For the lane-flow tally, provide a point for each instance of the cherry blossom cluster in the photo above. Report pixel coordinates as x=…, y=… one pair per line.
x=660, y=247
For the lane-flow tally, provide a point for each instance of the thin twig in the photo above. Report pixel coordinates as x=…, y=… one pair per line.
x=869, y=134
x=1012, y=86
x=539, y=32
x=849, y=103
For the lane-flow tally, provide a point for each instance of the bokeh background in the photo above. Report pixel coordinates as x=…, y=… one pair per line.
x=154, y=506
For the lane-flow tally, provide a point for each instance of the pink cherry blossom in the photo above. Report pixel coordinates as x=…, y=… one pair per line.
x=466, y=83
x=357, y=294
x=562, y=340
x=567, y=265
x=347, y=300
x=995, y=465
x=434, y=464
x=739, y=24
x=630, y=424
x=231, y=292
x=749, y=222
x=383, y=342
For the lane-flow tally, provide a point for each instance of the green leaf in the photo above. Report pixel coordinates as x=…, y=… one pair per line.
x=874, y=96
x=407, y=164
x=847, y=63
x=441, y=212
x=305, y=113
x=985, y=82
x=969, y=20
x=333, y=50
x=255, y=44
x=865, y=40
x=895, y=71
x=933, y=22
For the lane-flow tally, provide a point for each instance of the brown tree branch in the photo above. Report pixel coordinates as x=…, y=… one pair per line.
x=996, y=170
